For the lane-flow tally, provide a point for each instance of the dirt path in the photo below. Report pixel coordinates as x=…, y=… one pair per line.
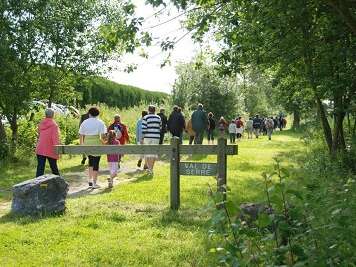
x=78, y=183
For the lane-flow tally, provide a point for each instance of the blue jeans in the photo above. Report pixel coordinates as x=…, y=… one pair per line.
x=41, y=164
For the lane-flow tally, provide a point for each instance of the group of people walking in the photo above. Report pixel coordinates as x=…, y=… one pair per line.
x=150, y=130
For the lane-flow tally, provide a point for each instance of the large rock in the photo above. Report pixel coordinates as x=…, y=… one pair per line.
x=42, y=195
x=251, y=211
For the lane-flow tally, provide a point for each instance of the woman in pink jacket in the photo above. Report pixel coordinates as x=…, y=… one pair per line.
x=48, y=137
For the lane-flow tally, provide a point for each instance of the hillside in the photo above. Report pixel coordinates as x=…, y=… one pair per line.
x=99, y=89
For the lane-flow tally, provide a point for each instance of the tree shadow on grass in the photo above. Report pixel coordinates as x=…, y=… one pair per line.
x=134, y=173
x=248, y=167
x=23, y=219
x=77, y=168
x=295, y=156
x=197, y=157
x=143, y=177
x=183, y=218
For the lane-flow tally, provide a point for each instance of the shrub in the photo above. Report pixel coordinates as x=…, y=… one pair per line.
x=312, y=222
x=4, y=150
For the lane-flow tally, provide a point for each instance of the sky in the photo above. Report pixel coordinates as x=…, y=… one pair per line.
x=149, y=75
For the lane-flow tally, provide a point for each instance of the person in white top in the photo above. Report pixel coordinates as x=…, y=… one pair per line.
x=232, y=131
x=92, y=132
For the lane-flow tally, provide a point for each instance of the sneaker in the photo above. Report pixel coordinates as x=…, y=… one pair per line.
x=110, y=183
x=96, y=186
x=139, y=163
x=145, y=167
x=90, y=184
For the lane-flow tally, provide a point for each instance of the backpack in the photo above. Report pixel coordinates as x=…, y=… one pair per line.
x=238, y=123
x=256, y=123
x=222, y=126
x=269, y=123
x=118, y=131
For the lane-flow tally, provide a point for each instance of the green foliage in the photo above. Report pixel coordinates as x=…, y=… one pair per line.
x=100, y=90
x=4, y=151
x=258, y=94
x=27, y=138
x=28, y=132
x=45, y=44
x=305, y=46
x=308, y=221
x=202, y=84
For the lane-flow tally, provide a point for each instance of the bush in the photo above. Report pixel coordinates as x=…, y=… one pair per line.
x=27, y=138
x=28, y=133
x=312, y=222
x=69, y=128
x=4, y=150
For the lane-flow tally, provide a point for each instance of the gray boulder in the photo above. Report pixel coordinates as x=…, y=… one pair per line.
x=251, y=211
x=43, y=195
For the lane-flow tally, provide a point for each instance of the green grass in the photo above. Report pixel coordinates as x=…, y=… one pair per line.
x=132, y=224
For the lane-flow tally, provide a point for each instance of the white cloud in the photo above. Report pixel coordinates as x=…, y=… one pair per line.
x=149, y=75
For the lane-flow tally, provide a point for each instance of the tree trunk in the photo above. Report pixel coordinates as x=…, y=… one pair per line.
x=338, y=143
x=50, y=98
x=296, y=119
x=325, y=123
x=3, y=142
x=2, y=132
x=14, y=133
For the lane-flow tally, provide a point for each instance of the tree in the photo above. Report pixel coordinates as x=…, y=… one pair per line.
x=200, y=83
x=257, y=92
x=45, y=43
x=303, y=36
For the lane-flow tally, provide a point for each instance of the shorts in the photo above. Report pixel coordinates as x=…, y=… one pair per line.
x=151, y=141
x=113, y=167
x=94, y=162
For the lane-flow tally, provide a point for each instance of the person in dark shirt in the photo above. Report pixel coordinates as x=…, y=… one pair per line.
x=199, y=124
x=176, y=123
x=211, y=127
x=257, y=123
x=280, y=124
x=275, y=122
x=164, y=122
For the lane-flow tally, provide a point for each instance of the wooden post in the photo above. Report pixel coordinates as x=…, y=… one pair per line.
x=222, y=166
x=175, y=178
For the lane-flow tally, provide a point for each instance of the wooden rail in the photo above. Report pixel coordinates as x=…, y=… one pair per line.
x=174, y=150
x=143, y=149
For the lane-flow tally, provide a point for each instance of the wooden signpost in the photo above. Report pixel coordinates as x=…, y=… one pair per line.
x=177, y=168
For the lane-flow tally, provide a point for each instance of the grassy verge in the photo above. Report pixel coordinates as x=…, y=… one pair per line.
x=132, y=224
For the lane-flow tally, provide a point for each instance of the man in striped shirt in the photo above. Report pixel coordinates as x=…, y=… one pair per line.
x=151, y=130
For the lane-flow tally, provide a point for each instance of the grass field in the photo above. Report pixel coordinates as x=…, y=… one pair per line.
x=132, y=225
